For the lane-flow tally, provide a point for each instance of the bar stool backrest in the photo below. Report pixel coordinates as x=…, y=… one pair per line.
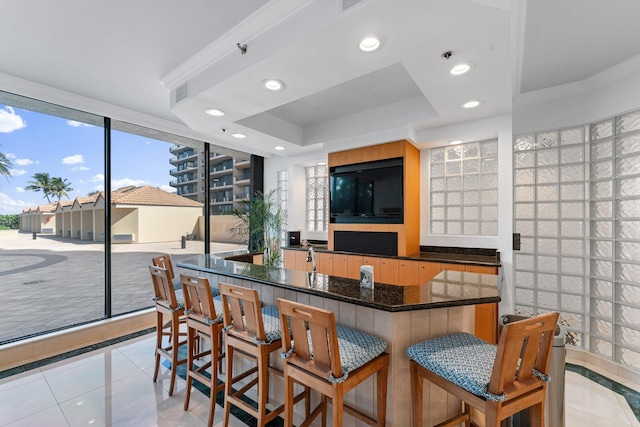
x=164, y=261
x=198, y=300
x=241, y=308
x=322, y=357
x=524, y=346
x=163, y=288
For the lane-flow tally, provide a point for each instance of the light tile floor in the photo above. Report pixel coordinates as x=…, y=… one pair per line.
x=112, y=386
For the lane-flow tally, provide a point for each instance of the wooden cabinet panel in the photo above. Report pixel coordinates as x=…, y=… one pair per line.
x=375, y=262
x=428, y=270
x=353, y=266
x=408, y=272
x=486, y=316
x=389, y=271
x=324, y=263
x=484, y=269
x=301, y=261
x=453, y=267
x=289, y=259
x=340, y=266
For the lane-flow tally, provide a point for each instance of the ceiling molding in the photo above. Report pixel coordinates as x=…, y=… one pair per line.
x=261, y=21
x=612, y=74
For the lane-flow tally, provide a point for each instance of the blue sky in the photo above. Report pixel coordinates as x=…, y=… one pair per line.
x=36, y=142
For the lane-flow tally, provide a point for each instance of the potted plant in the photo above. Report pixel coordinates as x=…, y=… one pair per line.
x=259, y=223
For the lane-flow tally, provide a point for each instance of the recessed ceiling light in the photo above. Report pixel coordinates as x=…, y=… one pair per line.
x=369, y=44
x=460, y=69
x=278, y=147
x=471, y=104
x=455, y=142
x=273, y=84
x=214, y=112
x=322, y=163
x=239, y=135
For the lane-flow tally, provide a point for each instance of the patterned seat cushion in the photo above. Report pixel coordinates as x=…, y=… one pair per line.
x=356, y=349
x=271, y=320
x=461, y=358
x=177, y=285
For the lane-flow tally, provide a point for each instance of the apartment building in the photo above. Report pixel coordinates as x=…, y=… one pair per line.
x=229, y=175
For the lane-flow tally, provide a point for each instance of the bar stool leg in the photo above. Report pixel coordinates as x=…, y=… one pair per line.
x=263, y=386
x=228, y=383
x=381, y=384
x=190, y=352
x=288, y=404
x=416, y=395
x=158, y=344
x=175, y=338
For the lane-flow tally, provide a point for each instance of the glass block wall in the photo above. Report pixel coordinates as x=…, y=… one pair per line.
x=464, y=189
x=317, y=198
x=283, y=179
x=577, y=207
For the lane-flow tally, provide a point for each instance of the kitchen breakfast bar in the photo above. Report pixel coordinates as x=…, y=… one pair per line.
x=401, y=315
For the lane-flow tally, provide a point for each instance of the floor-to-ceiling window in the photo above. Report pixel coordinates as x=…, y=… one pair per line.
x=53, y=256
x=577, y=208
x=52, y=271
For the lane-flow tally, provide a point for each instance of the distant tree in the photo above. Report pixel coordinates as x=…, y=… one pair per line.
x=60, y=187
x=5, y=165
x=41, y=181
x=92, y=193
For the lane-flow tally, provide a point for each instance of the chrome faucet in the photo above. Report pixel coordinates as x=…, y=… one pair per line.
x=311, y=257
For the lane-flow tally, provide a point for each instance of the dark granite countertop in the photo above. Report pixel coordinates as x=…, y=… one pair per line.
x=473, y=256
x=447, y=289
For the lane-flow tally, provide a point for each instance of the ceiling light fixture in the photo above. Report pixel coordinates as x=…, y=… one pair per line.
x=455, y=142
x=278, y=147
x=460, y=69
x=214, y=112
x=369, y=44
x=239, y=135
x=471, y=104
x=273, y=84
x=322, y=163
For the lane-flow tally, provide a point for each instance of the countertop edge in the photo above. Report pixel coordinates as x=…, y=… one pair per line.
x=323, y=294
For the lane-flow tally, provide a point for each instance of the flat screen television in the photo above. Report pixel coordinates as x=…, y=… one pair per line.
x=370, y=192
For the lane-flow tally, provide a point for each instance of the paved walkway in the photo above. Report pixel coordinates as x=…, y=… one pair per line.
x=52, y=282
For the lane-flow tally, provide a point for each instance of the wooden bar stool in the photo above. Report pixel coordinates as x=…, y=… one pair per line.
x=498, y=381
x=164, y=261
x=204, y=322
x=331, y=359
x=169, y=303
x=254, y=332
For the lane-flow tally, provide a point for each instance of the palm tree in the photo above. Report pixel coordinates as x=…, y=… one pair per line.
x=5, y=165
x=41, y=182
x=60, y=187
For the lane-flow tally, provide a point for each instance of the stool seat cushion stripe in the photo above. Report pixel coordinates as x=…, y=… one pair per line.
x=460, y=358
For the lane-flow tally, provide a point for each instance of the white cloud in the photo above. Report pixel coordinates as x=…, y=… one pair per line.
x=10, y=156
x=125, y=182
x=77, y=124
x=80, y=168
x=11, y=206
x=72, y=160
x=167, y=188
x=98, y=187
x=10, y=121
x=18, y=172
x=19, y=190
x=25, y=162
x=98, y=178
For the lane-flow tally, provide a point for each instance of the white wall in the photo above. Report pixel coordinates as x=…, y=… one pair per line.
x=495, y=127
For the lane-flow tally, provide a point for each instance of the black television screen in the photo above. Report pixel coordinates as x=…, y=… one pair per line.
x=369, y=192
